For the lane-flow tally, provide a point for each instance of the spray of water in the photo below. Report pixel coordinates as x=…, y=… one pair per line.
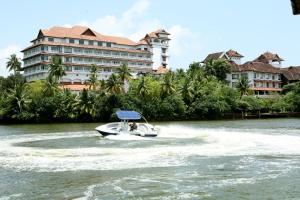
x=160, y=151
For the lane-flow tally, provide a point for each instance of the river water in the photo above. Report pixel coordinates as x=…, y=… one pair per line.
x=247, y=159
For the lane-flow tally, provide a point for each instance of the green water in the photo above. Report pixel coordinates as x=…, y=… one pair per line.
x=250, y=159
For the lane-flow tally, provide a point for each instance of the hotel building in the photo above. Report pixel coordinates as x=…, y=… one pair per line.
x=264, y=73
x=80, y=47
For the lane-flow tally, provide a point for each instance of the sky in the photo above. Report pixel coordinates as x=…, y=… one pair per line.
x=197, y=27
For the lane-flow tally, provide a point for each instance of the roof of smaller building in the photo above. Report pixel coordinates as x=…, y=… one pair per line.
x=291, y=73
x=161, y=70
x=232, y=53
x=256, y=67
x=296, y=6
x=74, y=87
x=213, y=56
x=267, y=56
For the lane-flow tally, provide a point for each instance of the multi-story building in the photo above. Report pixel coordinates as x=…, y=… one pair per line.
x=80, y=47
x=264, y=73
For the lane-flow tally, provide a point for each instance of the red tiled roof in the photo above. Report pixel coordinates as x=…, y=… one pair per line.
x=81, y=32
x=267, y=56
x=267, y=89
x=256, y=67
x=232, y=53
x=161, y=70
x=74, y=87
x=213, y=56
x=291, y=73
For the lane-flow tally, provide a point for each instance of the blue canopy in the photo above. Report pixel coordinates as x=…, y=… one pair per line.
x=128, y=115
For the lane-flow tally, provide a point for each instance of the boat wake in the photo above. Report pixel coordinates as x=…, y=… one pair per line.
x=173, y=147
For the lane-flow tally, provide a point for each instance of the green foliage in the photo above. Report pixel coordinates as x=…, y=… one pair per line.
x=93, y=79
x=194, y=94
x=13, y=64
x=218, y=68
x=56, y=70
x=243, y=86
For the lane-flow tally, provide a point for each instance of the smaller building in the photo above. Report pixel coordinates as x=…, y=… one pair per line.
x=264, y=79
x=263, y=74
x=290, y=74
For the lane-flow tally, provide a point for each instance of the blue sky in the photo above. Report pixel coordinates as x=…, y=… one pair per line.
x=198, y=27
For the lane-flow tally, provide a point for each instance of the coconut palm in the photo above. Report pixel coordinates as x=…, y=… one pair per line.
x=143, y=88
x=187, y=91
x=167, y=87
x=114, y=85
x=243, y=86
x=56, y=68
x=51, y=86
x=13, y=64
x=85, y=104
x=18, y=98
x=125, y=75
x=218, y=68
x=93, y=80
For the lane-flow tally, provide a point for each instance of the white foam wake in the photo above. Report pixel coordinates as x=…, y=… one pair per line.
x=203, y=142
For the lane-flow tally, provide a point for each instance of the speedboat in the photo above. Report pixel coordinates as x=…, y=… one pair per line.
x=128, y=125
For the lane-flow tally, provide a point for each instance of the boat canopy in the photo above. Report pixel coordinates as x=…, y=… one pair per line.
x=128, y=115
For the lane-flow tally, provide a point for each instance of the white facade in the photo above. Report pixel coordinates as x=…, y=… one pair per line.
x=79, y=54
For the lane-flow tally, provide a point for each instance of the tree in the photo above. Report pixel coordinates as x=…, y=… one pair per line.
x=243, y=86
x=218, y=68
x=124, y=74
x=51, y=86
x=18, y=102
x=56, y=68
x=85, y=105
x=142, y=88
x=114, y=85
x=93, y=80
x=167, y=87
x=13, y=64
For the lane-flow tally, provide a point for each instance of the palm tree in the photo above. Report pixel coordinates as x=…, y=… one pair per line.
x=86, y=104
x=56, y=68
x=125, y=75
x=243, y=86
x=51, y=86
x=114, y=85
x=187, y=91
x=13, y=64
x=167, y=87
x=142, y=88
x=18, y=98
x=93, y=77
x=218, y=68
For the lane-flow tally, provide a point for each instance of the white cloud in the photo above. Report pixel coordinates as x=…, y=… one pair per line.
x=4, y=54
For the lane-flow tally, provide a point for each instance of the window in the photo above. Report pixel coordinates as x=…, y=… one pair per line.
x=50, y=39
x=273, y=77
x=245, y=75
x=279, y=77
x=268, y=85
x=78, y=68
x=234, y=84
x=81, y=42
x=68, y=50
x=44, y=48
x=108, y=44
x=100, y=44
x=91, y=42
x=68, y=68
x=71, y=40
x=235, y=76
x=254, y=75
x=69, y=59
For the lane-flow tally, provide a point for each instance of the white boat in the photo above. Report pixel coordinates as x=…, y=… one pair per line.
x=126, y=126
